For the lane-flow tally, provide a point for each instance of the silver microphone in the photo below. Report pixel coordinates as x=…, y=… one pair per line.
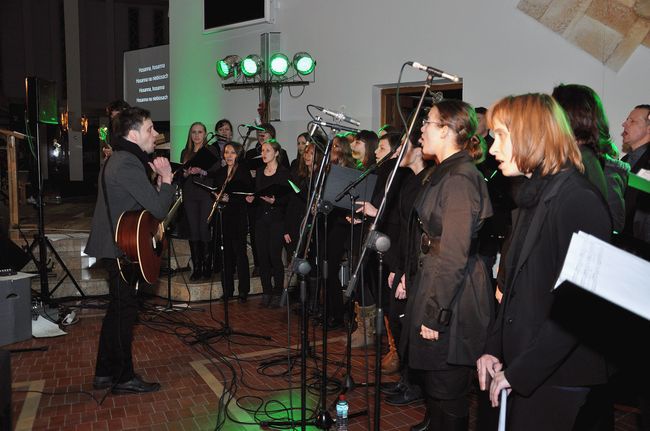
x=433, y=71
x=340, y=116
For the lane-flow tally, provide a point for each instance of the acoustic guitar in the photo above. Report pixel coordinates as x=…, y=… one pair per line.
x=142, y=239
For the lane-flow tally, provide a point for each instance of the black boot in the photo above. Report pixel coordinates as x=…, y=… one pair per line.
x=432, y=418
x=196, y=251
x=454, y=423
x=207, y=262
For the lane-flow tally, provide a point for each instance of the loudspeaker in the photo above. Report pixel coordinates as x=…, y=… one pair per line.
x=12, y=256
x=41, y=100
x=5, y=390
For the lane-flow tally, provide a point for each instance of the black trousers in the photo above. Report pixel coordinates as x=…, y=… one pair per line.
x=235, y=258
x=197, y=212
x=548, y=408
x=114, y=356
x=269, y=239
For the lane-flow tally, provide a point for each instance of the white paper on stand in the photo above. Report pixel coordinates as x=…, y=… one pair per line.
x=609, y=272
x=43, y=328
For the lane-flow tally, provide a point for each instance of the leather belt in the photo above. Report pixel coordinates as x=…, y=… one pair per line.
x=430, y=245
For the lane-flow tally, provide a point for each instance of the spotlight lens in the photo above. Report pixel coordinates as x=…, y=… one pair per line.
x=249, y=66
x=223, y=70
x=279, y=64
x=304, y=63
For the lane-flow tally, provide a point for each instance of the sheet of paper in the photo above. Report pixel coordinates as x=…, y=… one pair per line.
x=609, y=272
x=43, y=328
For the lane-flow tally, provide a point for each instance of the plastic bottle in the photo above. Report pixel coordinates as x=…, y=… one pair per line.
x=342, y=414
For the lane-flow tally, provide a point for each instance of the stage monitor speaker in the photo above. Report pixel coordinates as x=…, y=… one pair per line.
x=41, y=100
x=5, y=390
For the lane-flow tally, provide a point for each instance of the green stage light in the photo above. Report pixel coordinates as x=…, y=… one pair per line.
x=251, y=65
x=279, y=64
x=303, y=63
x=227, y=66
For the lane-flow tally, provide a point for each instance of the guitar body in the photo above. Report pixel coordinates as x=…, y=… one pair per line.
x=137, y=236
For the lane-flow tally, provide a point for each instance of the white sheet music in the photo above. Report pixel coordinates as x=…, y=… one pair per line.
x=43, y=328
x=609, y=272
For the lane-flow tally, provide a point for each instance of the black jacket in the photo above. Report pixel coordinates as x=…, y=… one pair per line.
x=528, y=336
x=451, y=206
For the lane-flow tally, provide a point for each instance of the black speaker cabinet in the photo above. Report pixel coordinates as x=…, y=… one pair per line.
x=41, y=100
x=5, y=390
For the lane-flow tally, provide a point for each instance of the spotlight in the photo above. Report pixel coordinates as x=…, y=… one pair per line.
x=251, y=65
x=279, y=64
x=303, y=63
x=227, y=66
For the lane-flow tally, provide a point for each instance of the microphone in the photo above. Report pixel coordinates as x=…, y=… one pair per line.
x=334, y=126
x=340, y=116
x=252, y=127
x=433, y=71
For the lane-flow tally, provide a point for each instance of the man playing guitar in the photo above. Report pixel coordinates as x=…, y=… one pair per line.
x=124, y=186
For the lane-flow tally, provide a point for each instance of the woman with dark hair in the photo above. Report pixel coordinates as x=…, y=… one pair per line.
x=341, y=153
x=405, y=391
x=450, y=299
x=532, y=350
x=234, y=223
x=599, y=154
x=197, y=203
x=302, y=178
x=301, y=143
x=269, y=221
x=224, y=132
x=363, y=148
x=385, y=155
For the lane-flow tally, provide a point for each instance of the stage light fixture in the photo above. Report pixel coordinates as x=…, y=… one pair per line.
x=227, y=66
x=303, y=63
x=279, y=64
x=251, y=65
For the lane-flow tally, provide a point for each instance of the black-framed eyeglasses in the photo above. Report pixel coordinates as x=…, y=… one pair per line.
x=427, y=121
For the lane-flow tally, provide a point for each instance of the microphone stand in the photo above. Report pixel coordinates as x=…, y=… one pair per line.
x=372, y=241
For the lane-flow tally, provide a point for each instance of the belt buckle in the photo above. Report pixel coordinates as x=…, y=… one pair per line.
x=425, y=243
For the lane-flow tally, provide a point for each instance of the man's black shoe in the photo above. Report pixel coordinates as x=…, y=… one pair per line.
x=392, y=388
x=242, y=299
x=411, y=395
x=102, y=382
x=135, y=386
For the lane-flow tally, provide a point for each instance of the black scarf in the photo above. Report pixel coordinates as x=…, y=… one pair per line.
x=122, y=144
x=531, y=190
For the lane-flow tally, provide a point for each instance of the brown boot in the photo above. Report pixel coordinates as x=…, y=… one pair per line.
x=365, y=317
x=390, y=362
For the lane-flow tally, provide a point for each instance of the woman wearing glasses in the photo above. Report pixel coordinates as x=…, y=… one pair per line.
x=450, y=300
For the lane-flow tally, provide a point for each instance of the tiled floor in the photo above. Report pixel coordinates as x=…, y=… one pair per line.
x=200, y=381
x=195, y=377
x=203, y=384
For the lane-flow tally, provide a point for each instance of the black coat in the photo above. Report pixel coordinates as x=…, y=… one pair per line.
x=235, y=221
x=452, y=207
x=528, y=336
x=637, y=203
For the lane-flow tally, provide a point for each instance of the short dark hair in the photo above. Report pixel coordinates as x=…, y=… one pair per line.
x=461, y=118
x=222, y=122
x=647, y=117
x=394, y=140
x=129, y=119
x=481, y=110
x=268, y=127
x=117, y=105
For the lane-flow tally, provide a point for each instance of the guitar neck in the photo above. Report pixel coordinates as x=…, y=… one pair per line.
x=171, y=213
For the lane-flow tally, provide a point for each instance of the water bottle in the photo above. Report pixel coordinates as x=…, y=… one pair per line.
x=342, y=414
